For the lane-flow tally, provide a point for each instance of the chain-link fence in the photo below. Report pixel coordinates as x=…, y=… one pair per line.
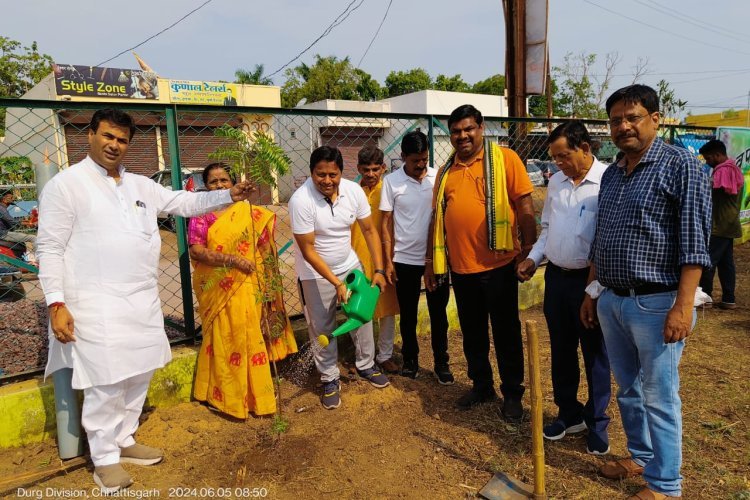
x=172, y=145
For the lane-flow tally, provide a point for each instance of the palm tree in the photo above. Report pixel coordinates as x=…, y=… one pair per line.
x=254, y=77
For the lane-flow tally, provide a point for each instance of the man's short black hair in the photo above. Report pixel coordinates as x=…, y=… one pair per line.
x=465, y=111
x=216, y=166
x=326, y=153
x=635, y=94
x=370, y=155
x=115, y=117
x=713, y=146
x=574, y=131
x=415, y=142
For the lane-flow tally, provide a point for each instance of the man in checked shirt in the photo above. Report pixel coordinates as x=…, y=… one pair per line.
x=650, y=248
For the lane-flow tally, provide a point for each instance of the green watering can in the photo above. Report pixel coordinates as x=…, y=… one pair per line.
x=359, y=309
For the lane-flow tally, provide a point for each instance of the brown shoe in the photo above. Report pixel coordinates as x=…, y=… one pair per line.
x=111, y=478
x=389, y=366
x=620, y=469
x=649, y=494
x=727, y=305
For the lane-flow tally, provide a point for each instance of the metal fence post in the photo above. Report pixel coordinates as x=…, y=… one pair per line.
x=180, y=228
x=431, y=138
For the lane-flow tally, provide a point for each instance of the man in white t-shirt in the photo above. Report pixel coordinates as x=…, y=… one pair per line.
x=322, y=211
x=406, y=203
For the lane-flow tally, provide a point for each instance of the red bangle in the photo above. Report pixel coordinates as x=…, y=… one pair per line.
x=56, y=305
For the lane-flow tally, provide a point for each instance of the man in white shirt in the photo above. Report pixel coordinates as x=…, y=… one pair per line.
x=406, y=203
x=568, y=227
x=99, y=246
x=322, y=211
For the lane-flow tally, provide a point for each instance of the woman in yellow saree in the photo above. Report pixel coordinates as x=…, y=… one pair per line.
x=245, y=326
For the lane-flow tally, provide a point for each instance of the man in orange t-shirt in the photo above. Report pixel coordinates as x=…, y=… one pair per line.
x=484, y=280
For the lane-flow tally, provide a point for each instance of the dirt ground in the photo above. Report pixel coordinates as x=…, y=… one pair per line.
x=408, y=441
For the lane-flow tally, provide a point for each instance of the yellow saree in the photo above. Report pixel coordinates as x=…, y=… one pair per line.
x=233, y=372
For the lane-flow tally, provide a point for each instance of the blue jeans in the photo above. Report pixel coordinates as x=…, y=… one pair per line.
x=646, y=372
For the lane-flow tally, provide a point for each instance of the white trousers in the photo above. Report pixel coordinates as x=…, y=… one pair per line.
x=110, y=416
x=386, y=334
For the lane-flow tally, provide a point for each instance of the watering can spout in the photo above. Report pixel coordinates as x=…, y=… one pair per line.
x=347, y=326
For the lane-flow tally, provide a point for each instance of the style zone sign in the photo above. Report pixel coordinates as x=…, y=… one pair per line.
x=94, y=81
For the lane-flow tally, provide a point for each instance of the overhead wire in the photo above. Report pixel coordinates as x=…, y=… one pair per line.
x=339, y=19
x=376, y=33
x=685, y=19
x=661, y=28
x=157, y=34
x=677, y=13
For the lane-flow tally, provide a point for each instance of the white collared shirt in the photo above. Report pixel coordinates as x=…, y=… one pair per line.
x=98, y=248
x=332, y=224
x=569, y=219
x=411, y=203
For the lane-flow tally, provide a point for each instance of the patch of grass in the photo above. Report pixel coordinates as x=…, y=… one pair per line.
x=279, y=425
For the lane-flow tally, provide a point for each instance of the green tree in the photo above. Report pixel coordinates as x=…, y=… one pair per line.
x=560, y=103
x=451, y=84
x=254, y=77
x=20, y=69
x=583, y=91
x=328, y=78
x=669, y=105
x=494, y=85
x=404, y=82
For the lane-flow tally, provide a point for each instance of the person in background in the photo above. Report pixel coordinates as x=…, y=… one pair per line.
x=322, y=211
x=407, y=210
x=568, y=228
x=8, y=225
x=371, y=168
x=482, y=197
x=651, y=245
x=245, y=326
x=726, y=183
x=99, y=248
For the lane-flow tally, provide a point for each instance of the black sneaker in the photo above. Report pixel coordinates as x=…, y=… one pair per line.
x=375, y=377
x=597, y=445
x=475, y=397
x=559, y=429
x=512, y=410
x=331, y=399
x=444, y=375
x=410, y=369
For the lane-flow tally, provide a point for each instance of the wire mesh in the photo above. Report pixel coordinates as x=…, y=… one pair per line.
x=54, y=135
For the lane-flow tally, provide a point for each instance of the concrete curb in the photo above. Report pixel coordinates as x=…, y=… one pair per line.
x=27, y=409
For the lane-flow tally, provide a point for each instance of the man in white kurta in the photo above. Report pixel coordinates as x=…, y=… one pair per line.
x=99, y=247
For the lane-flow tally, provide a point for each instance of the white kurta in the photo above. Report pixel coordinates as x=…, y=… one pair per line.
x=98, y=247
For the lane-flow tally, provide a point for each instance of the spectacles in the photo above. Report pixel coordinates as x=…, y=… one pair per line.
x=631, y=119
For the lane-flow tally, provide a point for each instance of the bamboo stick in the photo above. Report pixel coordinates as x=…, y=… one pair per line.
x=537, y=442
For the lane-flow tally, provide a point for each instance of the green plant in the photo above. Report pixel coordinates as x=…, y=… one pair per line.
x=279, y=425
x=256, y=156
x=16, y=170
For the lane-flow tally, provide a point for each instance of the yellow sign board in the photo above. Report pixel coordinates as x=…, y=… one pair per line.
x=200, y=92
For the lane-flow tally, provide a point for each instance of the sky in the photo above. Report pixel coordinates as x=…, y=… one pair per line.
x=702, y=48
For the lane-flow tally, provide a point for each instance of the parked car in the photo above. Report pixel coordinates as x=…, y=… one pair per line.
x=535, y=173
x=547, y=169
x=191, y=181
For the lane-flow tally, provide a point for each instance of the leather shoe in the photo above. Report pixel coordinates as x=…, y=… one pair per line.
x=512, y=410
x=475, y=397
x=620, y=469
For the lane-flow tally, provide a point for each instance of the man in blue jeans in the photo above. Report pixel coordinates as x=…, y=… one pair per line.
x=650, y=248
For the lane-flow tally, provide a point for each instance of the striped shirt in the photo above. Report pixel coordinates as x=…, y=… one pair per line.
x=653, y=221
